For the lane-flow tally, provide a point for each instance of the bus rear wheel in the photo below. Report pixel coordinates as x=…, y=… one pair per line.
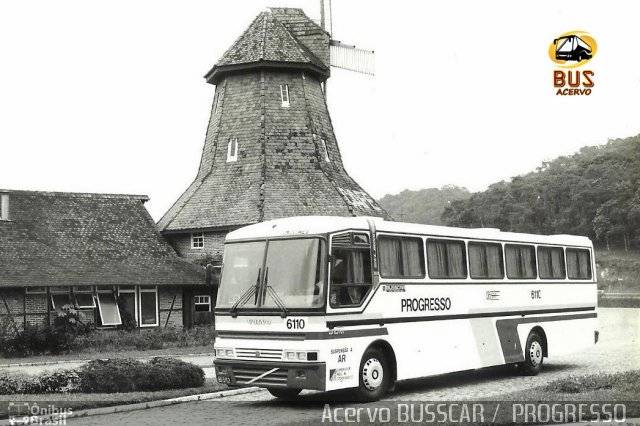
x=374, y=376
x=284, y=393
x=533, y=355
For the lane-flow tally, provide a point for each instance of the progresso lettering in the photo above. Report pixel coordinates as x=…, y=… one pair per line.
x=425, y=304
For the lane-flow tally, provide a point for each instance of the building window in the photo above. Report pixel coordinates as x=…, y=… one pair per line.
x=128, y=301
x=485, y=260
x=521, y=261
x=202, y=303
x=446, y=259
x=4, y=206
x=60, y=296
x=325, y=153
x=35, y=290
x=284, y=95
x=148, y=306
x=107, y=306
x=551, y=263
x=578, y=264
x=232, y=150
x=197, y=240
x=401, y=257
x=83, y=297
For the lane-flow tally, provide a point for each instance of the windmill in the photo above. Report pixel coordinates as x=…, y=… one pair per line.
x=270, y=150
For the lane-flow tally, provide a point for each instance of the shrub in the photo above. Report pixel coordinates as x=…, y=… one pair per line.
x=172, y=373
x=129, y=375
x=8, y=385
x=111, y=375
x=61, y=381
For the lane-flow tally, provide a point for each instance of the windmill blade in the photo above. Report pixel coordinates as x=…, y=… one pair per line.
x=351, y=58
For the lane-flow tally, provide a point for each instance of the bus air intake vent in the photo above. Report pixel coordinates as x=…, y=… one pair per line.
x=341, y=240
x=255, y=353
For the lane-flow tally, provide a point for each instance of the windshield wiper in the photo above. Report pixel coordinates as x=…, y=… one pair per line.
x=274, y=295
x=246, y=296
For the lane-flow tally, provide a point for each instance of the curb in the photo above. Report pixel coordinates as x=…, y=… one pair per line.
x=136, y=407
x=72, y=361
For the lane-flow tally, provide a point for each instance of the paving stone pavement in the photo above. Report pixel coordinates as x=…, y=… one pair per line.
x=617, y=350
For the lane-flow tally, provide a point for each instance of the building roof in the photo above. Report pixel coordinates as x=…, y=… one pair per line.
x=316, y=225
x=278, y=37
x=73, y=239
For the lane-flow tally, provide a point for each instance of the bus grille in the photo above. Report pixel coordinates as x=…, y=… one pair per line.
x=245, y=374
x=255, y=353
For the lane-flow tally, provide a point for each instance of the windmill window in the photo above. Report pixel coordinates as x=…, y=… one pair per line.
x=325, y=153
x=232, y=150
x=4, y=206
x=197, y=240
x=284, y=94
x=215, y=101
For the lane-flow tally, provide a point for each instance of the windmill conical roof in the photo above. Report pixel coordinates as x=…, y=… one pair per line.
x=282, y=38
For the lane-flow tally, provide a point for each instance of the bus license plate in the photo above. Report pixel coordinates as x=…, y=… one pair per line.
x=223, y=378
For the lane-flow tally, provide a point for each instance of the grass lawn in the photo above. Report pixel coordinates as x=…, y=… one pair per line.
x=610, y=388
x=92, y=354
x=79, y=401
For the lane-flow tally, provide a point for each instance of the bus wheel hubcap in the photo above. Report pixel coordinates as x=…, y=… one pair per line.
x=372, y=374
x=535, y=353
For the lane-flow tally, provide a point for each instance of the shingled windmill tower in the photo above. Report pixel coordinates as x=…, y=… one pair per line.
x=270, y=149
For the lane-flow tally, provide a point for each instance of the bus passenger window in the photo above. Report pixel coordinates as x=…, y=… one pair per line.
x=350, y=277
x=578, y=264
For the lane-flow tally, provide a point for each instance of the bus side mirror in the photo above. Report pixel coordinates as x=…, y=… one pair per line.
x=332, y=259
x=555, y=41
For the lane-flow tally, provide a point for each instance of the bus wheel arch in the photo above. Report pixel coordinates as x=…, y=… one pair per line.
x=376, y=373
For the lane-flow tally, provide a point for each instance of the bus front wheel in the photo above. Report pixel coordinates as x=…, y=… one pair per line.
x=375, y=376
x=284, y=393
x=533, y=355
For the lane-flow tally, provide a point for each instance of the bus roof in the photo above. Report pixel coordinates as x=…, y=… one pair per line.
x=316, y=225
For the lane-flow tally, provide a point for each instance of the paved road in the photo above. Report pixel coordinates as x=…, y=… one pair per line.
x=618, y=350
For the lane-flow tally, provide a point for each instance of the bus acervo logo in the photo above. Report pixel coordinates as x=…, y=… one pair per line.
x=573, y=49
x=568, y=51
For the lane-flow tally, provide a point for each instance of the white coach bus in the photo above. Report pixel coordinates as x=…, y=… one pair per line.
x=329, y=303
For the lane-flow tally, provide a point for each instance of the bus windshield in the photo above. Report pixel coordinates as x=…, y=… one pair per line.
x=291, y=274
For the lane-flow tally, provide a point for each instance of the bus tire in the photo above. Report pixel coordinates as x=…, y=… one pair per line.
x=374, y=376
x=284, y=393
x=533, y=355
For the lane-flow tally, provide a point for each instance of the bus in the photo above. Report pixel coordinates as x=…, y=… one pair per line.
x=572, y=48
x=329, y=303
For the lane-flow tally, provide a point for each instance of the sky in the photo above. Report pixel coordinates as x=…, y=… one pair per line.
x=109, y=96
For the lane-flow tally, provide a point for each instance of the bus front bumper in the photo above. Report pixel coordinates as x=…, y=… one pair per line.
x=297, y=375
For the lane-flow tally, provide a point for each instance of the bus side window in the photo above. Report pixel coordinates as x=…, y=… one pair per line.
x=350, y=277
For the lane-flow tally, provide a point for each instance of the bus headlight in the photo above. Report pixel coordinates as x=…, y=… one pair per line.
x=300, y=355
x=224, y=352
